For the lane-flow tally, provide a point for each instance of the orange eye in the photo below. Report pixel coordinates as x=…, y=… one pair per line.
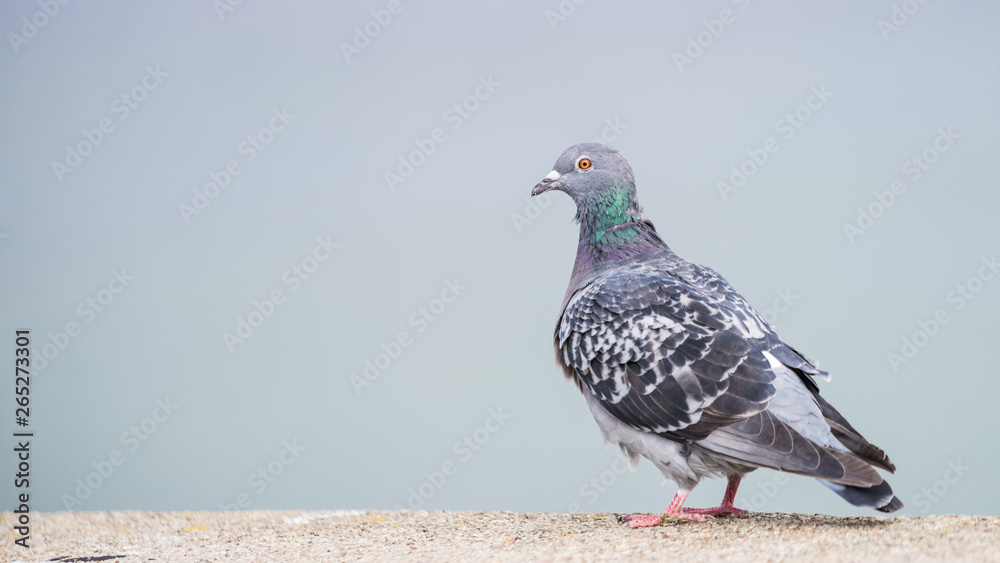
x=584, y=163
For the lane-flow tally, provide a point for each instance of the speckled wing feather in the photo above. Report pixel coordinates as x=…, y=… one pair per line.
x=661, y=355
x=669, y=348
x=717, y=289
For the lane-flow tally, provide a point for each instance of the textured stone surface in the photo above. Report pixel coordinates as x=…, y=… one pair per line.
x=465, y=536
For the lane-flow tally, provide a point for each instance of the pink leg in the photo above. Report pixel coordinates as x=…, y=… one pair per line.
x=726, y=508
x=674, y=511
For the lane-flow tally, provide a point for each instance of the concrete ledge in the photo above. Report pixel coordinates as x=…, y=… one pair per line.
x=464, y=536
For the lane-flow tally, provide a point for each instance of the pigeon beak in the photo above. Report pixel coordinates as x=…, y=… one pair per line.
x=550, y=181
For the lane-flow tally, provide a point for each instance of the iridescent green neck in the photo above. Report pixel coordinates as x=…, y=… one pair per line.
x=612, y=230
x=609, y=217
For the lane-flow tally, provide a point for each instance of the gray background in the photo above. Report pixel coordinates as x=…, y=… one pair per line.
x=459, y=217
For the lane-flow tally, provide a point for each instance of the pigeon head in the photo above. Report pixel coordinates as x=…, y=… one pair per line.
x=600, y=181
x=587, y=170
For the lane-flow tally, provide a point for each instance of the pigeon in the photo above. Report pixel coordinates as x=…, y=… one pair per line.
x=678, y=368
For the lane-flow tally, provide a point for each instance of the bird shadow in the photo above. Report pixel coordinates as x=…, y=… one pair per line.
x=821, y=520
x=784, y=520
x=69, y=559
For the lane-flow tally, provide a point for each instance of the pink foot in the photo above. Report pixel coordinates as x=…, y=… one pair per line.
x=642, y=521
x=654, y=520
x=676, y=511
x=724, y=510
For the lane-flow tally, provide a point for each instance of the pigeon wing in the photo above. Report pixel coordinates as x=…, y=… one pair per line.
x=661, y=355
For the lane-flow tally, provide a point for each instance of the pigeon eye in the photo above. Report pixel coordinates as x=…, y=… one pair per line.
x=584, y=163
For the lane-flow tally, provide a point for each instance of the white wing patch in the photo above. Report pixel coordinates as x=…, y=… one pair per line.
x=794, y=405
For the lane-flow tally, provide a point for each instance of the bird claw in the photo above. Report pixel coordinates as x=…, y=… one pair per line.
x=653, y=520
x=718, y=511
x=645, y=521
x=684, y=517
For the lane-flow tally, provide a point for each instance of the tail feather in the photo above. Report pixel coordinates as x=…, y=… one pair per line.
x=880, y=497
x=765, y=441
x=852, y=439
